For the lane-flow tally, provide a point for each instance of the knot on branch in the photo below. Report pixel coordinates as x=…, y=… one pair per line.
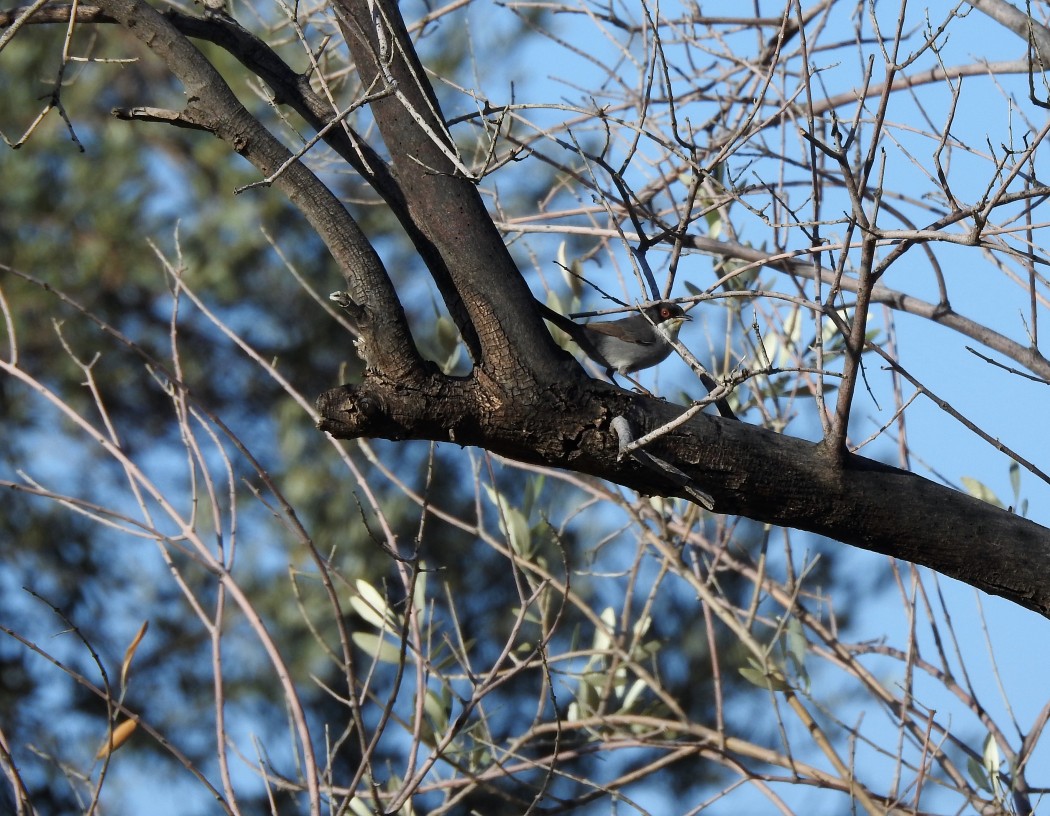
x=370, y=407
x=427, y=406
x=354, y=411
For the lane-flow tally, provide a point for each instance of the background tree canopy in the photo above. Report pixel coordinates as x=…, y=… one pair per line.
x=268, y=552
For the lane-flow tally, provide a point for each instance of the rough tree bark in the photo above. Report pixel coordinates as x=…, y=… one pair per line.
x=524, y=398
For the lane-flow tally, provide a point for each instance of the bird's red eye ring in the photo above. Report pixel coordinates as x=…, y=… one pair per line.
x=665, y=312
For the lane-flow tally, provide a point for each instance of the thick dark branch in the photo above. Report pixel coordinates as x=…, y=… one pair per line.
x=444, y=201
x=212, y=105
x=748, y=471
x=294, y=90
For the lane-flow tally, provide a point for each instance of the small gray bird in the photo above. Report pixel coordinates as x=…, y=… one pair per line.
x=633, y=343
x=627, y=345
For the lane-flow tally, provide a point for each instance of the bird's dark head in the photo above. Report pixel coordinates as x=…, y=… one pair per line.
x=664, y=312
